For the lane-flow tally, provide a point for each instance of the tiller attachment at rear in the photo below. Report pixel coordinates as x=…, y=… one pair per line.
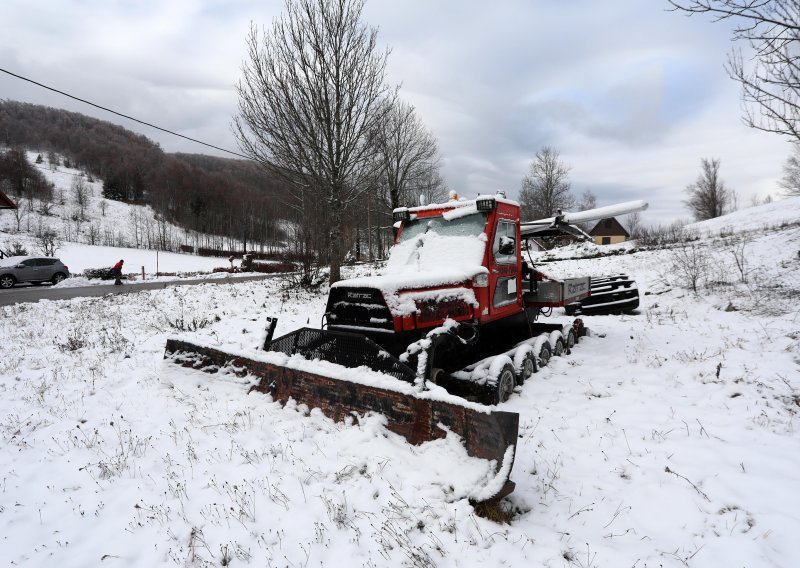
x=616, y=294
x=490, y=435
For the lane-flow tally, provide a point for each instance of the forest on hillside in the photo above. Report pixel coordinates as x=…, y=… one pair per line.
x=205, y=194
x=208, y=196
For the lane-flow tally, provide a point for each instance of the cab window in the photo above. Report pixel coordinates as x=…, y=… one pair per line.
x=504, y=247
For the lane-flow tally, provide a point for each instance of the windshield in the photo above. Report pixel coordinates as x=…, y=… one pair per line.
x=467, y=225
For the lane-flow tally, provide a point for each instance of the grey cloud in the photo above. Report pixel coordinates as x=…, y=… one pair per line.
x=631, y=94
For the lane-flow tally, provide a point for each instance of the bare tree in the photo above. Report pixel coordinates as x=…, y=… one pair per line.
x=429, y=183
x=19, y=214
x=633, y=221
x=80, y=195
x=53, y=160
x=407, y=153
x=708, y=195
x=545, y=188
x=791, y=172
x=312, y=90
x=588, y=201
x=47, y=240
x=771, y=83
x=690, y=265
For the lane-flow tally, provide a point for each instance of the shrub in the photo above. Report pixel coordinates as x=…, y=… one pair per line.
x=99, y=273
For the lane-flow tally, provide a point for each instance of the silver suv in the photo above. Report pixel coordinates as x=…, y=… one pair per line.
x=33, y=269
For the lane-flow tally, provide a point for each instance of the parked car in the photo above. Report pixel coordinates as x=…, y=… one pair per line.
x=33, y=269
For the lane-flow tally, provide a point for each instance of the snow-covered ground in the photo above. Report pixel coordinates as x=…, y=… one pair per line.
x=665, y=439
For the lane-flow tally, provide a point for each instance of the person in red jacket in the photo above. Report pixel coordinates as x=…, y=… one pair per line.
x=117, y=270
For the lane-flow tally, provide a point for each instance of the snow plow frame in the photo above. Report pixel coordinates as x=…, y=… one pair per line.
x=341, y=347
x=490, y=435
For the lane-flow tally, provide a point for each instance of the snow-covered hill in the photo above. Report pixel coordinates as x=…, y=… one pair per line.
x=97, y=221
x=105, y=231
x=667, y=438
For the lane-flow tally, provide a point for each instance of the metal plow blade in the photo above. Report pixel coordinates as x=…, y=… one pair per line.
x=486, y=435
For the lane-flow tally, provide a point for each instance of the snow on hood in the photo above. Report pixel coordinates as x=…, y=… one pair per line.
x=426, y=261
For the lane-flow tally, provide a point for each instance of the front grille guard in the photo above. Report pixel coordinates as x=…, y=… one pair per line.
x=343, y=348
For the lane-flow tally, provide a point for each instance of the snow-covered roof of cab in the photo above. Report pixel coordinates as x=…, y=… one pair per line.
x=457, y=204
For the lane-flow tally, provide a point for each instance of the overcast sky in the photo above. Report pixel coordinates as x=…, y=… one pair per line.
x=632, y=95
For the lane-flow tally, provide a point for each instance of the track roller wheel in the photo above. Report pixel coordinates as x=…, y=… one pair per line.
x=545, y=352
x=579, y=329
x=524, y=363
x=558, y=347
x=436, y=375
x=570, y=340
x=506, y=381
x=527, y=367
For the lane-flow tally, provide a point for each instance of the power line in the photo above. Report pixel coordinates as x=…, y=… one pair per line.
x=122, y=115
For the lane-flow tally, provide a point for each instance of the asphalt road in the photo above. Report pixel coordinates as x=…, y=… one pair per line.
x=22, y=294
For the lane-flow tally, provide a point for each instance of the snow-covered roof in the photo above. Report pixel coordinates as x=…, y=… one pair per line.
x=14, y=260
x=5, y=202
x=454, y=204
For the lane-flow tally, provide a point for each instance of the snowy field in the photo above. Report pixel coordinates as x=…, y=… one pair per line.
x=665, y=439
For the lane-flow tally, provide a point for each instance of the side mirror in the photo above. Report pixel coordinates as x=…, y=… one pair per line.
x=508, y=245
x=20, y=266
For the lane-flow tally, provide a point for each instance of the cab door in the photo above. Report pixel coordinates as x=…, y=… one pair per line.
x=504, y=281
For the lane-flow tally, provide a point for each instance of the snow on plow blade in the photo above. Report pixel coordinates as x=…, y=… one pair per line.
x=490, y=435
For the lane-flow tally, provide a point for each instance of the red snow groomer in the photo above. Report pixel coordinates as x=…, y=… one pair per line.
x=456, y=309
x=456, y=296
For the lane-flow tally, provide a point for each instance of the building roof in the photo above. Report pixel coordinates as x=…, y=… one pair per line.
x=609, y=227
x=5, y=202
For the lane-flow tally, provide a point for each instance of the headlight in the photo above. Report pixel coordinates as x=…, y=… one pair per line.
x=485, y=203
x=401, y=214
x=480, y=281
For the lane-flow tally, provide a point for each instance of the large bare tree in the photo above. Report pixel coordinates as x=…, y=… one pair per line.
x=709, y=197
x=312, y=90
x=408, y=154
x=771, y=83
x=545, y=189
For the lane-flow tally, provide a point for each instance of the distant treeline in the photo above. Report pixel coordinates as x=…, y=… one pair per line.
x=204, y=194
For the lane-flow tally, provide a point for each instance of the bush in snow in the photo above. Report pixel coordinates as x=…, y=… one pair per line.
x=690, y=265
x=14, y=248
x=99, y=273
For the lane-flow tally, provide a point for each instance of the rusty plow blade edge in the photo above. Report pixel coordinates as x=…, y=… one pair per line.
x=486, y=435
